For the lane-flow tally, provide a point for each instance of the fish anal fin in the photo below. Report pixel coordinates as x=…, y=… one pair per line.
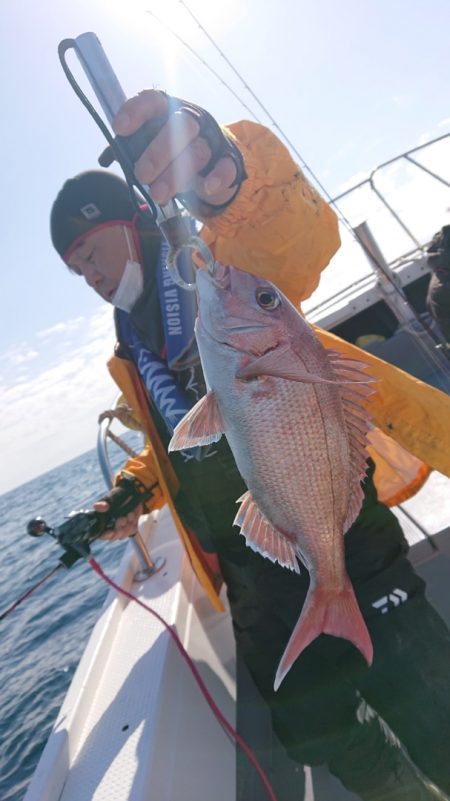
x=327, y=612
x=261, y=536
x=202, y=425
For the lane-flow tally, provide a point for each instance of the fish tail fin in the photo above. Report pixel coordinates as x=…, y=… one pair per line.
x=326, y=612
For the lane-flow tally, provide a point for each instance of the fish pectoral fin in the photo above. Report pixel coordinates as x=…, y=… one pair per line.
x=281, y=362
x=261, y=536
x=202, y=425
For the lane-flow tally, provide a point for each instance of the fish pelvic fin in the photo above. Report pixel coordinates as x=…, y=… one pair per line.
x=261, y=536
x=327, y=612
x=202, y=425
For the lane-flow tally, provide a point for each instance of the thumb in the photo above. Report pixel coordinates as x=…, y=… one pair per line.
x=101, y=506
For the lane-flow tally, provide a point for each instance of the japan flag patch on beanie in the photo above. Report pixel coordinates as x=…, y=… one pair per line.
x=90, y=211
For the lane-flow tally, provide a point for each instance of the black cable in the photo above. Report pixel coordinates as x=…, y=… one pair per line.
x=118, y=149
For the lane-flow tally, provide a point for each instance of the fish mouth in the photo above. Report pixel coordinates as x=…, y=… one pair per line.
x=240, y=329
x=220, y=275
x=224, y=337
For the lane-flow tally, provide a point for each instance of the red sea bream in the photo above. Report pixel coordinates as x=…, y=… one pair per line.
x=294, y=416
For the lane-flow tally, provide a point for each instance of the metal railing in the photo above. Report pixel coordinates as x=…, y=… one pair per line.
x=148, y=566
x=370, y=183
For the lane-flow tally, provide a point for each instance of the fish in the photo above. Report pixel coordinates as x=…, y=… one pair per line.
x=294, y=414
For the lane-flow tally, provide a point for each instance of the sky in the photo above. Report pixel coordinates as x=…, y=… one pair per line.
x=351, y=84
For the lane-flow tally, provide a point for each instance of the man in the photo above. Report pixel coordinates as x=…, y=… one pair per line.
x=260, y=214
x=438, y=296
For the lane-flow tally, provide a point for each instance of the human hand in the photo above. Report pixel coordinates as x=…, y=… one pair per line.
x=123, y=505
x=125, y=526
x=188, y=142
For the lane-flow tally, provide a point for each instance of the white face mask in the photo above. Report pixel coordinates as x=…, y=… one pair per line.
x=131, y=284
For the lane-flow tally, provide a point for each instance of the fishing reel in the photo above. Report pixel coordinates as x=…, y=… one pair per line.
x=82, y=527
x=74, y=535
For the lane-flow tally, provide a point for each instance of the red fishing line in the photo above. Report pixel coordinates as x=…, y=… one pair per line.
x=30, y=591
x=208, y=697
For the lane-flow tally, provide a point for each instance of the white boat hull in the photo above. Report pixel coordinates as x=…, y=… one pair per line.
x=134, y=724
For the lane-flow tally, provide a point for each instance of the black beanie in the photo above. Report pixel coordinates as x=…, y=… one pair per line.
x=88, y=200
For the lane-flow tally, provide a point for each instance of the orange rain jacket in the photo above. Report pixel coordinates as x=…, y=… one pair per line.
x=280, y=228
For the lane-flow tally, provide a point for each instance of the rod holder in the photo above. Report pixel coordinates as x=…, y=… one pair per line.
x=148, y=566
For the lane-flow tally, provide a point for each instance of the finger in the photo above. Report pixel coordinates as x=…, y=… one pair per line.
x=216, y=187
x=137, y=110
x=119, y=533
x=182, y=172
x=178, y=132
x=115, y=535
x=111, y=534
x=101, y=506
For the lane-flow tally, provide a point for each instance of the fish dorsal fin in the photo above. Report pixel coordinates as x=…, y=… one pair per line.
x=262, y=537
x=357, y=420
x=202, y=425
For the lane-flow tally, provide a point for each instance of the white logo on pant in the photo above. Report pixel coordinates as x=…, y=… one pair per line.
x=395, y=598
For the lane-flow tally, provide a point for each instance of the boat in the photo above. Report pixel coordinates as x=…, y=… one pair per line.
x=135, y=724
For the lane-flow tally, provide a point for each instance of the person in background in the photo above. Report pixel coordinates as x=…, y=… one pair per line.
x=261, y=215
x=438, y=296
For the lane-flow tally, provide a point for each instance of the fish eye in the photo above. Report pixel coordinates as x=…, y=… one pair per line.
x=267, y=298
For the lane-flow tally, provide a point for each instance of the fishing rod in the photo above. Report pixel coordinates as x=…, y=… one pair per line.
x=81, y=528
x=74, y=535
x=173, y=223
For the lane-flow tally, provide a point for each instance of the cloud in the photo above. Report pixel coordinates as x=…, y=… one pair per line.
x=22, y=358
x=50, y=416
x=61, y=328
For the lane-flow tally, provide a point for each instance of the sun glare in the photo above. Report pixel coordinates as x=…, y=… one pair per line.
x=176, y=15
x=171, y=33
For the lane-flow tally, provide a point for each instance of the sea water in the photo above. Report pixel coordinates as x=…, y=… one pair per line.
x=42, y=639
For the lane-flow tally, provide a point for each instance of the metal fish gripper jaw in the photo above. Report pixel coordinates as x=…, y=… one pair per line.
x=176, y=231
